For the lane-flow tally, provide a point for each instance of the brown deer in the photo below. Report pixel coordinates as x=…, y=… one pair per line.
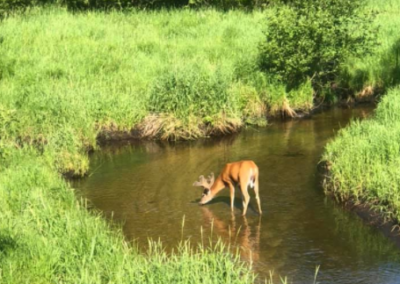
x=242, y=173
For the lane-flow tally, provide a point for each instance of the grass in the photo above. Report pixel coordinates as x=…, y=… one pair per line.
x=46, y=236
x=66, y=79
x=364, y=159
x=112, y=70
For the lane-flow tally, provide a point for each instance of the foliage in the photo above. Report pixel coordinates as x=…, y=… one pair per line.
x=381, y=69
x=7, y=6
x=310, y=39
x=228, y=4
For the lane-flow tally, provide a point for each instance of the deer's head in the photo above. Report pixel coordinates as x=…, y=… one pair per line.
x=206, y=185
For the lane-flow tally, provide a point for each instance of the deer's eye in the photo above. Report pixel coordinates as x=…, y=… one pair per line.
x=206, y=191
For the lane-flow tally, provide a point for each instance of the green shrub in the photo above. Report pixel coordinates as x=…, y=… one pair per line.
x=310, y=39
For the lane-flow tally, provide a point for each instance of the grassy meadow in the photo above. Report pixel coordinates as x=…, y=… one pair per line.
x=67, y=79
x=97, y=71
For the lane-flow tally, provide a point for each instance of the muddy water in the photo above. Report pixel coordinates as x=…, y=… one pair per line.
x=148, y=187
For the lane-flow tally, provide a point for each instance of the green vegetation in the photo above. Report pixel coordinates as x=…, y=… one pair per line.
x=380, y=70
x=68, y=78
x=308, y=40
x=364, y=158
x=91, y=72
x=8, y=7
x=46, y=236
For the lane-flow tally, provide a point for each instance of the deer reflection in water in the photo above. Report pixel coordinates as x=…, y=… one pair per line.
x=238, y=232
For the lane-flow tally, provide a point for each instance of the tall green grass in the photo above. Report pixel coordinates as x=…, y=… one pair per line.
x=94, y=70
x=47, y=236
x=65, y=79
x=97, y=71
x=365, y=161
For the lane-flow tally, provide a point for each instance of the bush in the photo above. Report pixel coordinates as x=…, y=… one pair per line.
x=310, y=39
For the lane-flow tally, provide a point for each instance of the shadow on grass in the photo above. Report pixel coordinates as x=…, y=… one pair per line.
x=7, y=244
x=390, y=65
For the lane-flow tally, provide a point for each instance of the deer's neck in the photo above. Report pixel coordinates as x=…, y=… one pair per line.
x=217, y=186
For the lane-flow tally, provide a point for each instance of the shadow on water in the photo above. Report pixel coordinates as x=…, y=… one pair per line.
x=148, y=188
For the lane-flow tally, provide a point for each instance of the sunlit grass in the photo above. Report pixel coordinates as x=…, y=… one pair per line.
x=46, y=236
x=65, y=78
x=97, y=70
x=365, y=160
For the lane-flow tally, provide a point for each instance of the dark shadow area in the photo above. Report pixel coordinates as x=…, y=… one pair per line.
x=390, y=63
x=7, y=244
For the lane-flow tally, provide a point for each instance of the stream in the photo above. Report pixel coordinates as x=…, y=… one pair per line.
x=147, y=187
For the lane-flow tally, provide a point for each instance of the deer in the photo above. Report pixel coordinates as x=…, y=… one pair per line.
x=241, y=173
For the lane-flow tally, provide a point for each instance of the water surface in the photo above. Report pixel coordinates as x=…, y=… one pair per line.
x=148, y=187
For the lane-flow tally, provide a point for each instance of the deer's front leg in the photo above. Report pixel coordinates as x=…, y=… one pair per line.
x=232, y=193
x=246, y=197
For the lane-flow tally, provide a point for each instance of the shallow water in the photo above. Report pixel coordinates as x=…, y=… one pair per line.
x=148, y=187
